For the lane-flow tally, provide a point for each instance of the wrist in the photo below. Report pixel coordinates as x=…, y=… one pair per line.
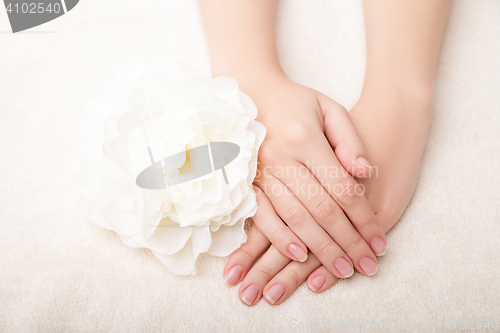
x=414, y=98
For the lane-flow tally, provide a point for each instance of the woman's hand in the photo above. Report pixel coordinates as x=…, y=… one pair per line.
x=304, y=181
x=300, y=180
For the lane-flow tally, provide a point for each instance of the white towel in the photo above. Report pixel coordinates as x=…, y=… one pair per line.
x=60, y=272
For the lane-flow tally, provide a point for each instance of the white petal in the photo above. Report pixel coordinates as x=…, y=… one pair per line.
x=202, y=239
x=167, y=238
x=182, y=262
x=227, y=239
x=248, y=104
x=247, y=208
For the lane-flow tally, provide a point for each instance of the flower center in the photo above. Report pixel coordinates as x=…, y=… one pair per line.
x=186, y=162
x=187, y=159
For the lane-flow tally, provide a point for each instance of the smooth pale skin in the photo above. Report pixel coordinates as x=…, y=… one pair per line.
x=391, y=119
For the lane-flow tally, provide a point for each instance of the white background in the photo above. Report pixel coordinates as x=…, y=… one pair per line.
x=58, y=271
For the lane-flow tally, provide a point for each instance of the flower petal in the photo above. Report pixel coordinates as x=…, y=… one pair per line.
x=227, y=239
x=182, y=262
x=168, y=238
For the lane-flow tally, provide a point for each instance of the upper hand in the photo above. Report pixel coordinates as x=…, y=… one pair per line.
x=305, y=169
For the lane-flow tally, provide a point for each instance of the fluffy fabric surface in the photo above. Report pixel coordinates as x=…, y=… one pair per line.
x=59, y=272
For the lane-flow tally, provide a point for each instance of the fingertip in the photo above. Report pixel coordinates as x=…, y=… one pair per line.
x=378, y=246
x=234, y=275
x=357, y=166
x=297, y=252
x=235, y=269
x=316, y=283
x=365, y=168
x=361, y=172
x=320, y=280
x=250, y=295
x=275, y=294
x=361, y=168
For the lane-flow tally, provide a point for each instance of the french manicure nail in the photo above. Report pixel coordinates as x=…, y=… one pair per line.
x=344, y=267
x=317, y=282
x=364, y=161
x=297, y=252
x=378, y=246
x=250, y=294
x=368, y=266
x=275, y=292
x=233, y=275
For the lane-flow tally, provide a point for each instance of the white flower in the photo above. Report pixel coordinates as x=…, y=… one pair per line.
x=170, y=112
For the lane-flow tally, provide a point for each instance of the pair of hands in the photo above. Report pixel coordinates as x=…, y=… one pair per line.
x=305, y=179
x=311, y=142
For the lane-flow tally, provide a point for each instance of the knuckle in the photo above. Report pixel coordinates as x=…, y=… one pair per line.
x=356, y=140
x=353, y=244
x=324, y=248
x=294, y=277
x=294, y=216
x=298, y=133
x=276, y=235
x=246, y=250
x=265, y=271
x=325, y=210
x=345, y=192
x=268, y=152
x=372, y=223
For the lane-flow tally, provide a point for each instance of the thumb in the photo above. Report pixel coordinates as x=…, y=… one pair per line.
x=344, y=138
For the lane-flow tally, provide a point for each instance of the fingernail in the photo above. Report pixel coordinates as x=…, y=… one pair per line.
x=378, y=246
x=250, y=294
x=368, y=266
x=317, y=282
x=344, y=267
x=364, y=161
x=233, y=275
x=275, y=293
x=297, y=252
